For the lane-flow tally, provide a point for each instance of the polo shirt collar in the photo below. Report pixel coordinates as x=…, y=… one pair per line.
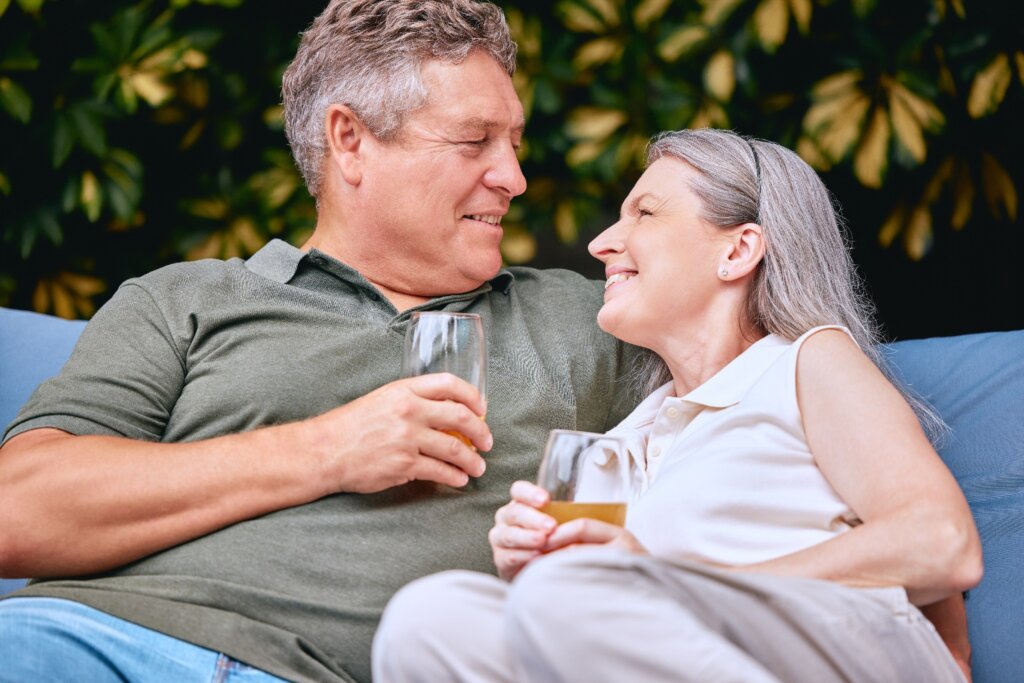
x=279, y=261
x=725, y=388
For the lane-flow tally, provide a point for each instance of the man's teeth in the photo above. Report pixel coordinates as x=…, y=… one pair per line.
x=493, y=220
x=618, y=277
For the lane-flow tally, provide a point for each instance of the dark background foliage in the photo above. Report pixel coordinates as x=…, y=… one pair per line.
x=134, y=134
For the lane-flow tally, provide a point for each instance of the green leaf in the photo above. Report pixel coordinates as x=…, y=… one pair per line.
x=30, y=6
x=546, y=97
x=122, y=205
x=28, y=241
x=128, y=161
x=15, y=100
x=127, y=24
x=18, y=56
x=107, y=42
x=5, y=184
x=63, y=140
x=90, y=130
x=49, y=226
x=103, y=84
x=69, y=197
x=4, y=4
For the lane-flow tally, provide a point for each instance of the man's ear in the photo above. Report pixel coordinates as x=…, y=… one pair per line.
x=745, y=250
x=346, y=142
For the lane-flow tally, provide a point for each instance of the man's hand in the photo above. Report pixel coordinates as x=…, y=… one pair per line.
x=397, y=434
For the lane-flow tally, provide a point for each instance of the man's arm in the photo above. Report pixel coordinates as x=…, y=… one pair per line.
x=75, y=505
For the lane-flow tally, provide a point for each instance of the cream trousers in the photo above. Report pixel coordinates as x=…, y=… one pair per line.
x=598, y=614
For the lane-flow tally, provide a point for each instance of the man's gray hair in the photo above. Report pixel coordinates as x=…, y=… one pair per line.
x=807, y=277
x=367, y=55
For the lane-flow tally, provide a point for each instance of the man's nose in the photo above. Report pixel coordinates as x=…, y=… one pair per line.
x=505, y=173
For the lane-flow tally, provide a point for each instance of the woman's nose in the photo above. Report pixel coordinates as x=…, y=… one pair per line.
x=607, y=243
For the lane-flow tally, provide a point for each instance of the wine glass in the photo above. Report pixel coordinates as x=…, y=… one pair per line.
x=587, y=475
x=438, y=341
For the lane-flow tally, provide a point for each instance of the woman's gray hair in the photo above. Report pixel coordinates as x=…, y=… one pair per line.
x=807, y=277
x=367, y=55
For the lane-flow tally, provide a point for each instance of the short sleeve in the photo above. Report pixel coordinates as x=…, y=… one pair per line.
x=122, y=378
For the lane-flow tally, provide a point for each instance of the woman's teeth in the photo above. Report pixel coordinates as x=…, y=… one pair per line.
x=618, y=277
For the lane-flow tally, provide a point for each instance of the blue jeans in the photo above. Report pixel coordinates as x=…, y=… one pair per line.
x=45, y=639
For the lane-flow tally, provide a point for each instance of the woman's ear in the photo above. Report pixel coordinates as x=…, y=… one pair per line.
x=345, y=142
x=745, y=250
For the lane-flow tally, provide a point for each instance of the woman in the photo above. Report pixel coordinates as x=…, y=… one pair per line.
x=794, y=510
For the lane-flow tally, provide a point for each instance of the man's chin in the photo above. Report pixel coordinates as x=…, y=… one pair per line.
x=483, y=269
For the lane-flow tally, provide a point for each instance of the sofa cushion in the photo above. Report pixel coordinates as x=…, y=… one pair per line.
x=33, y=348
x=976, y=382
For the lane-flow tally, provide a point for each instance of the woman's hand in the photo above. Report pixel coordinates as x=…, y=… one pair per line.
x=522, y=532
x=520, y=529
x=586, y=531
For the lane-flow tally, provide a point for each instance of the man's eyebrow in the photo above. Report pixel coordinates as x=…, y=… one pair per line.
x=478, y=123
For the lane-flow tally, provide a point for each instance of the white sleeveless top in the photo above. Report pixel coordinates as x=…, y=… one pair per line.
x=725, y=472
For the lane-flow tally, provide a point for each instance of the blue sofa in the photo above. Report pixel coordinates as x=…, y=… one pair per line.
x=975, y=381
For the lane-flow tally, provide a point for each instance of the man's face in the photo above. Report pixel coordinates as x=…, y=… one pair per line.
x=437, y=192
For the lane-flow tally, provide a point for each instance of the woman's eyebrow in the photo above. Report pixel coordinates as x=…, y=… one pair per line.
x=632, y=207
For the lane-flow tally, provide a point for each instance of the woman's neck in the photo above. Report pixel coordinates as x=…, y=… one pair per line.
x=695, y=354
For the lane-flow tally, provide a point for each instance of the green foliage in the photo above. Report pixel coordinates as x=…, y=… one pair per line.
x=136, y=134
x=139, y=133
x=910, y=107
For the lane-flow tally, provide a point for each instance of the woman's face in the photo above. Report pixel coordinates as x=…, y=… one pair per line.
x=661, y=259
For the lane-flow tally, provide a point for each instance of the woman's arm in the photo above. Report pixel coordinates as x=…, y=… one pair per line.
x=918, y=531
x=950, y=619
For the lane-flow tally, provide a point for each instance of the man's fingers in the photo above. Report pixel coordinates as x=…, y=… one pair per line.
x=431, y=469
x=444, y=386
x=448, y=416
x=448, y=448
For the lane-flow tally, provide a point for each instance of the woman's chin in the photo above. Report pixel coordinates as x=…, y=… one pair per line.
x=609, y=322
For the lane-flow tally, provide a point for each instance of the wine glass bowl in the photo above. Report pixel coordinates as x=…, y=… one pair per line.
x=587, y=475
x=439, y=341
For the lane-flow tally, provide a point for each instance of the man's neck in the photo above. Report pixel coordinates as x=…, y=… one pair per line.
x=400, y=300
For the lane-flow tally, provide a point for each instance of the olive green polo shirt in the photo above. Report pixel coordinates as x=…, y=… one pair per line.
x=197, y=350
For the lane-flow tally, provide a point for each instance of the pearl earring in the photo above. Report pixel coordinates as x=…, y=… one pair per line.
x=724, y=272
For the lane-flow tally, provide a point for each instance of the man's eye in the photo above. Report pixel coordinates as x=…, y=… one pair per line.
x=644, y=212
x=475, y=142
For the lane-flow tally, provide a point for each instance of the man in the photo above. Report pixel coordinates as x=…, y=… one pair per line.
x=228, y=465
x=228, y=459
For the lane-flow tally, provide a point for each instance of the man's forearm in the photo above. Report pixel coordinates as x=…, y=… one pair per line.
x=72, y=505
x=75, y=505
